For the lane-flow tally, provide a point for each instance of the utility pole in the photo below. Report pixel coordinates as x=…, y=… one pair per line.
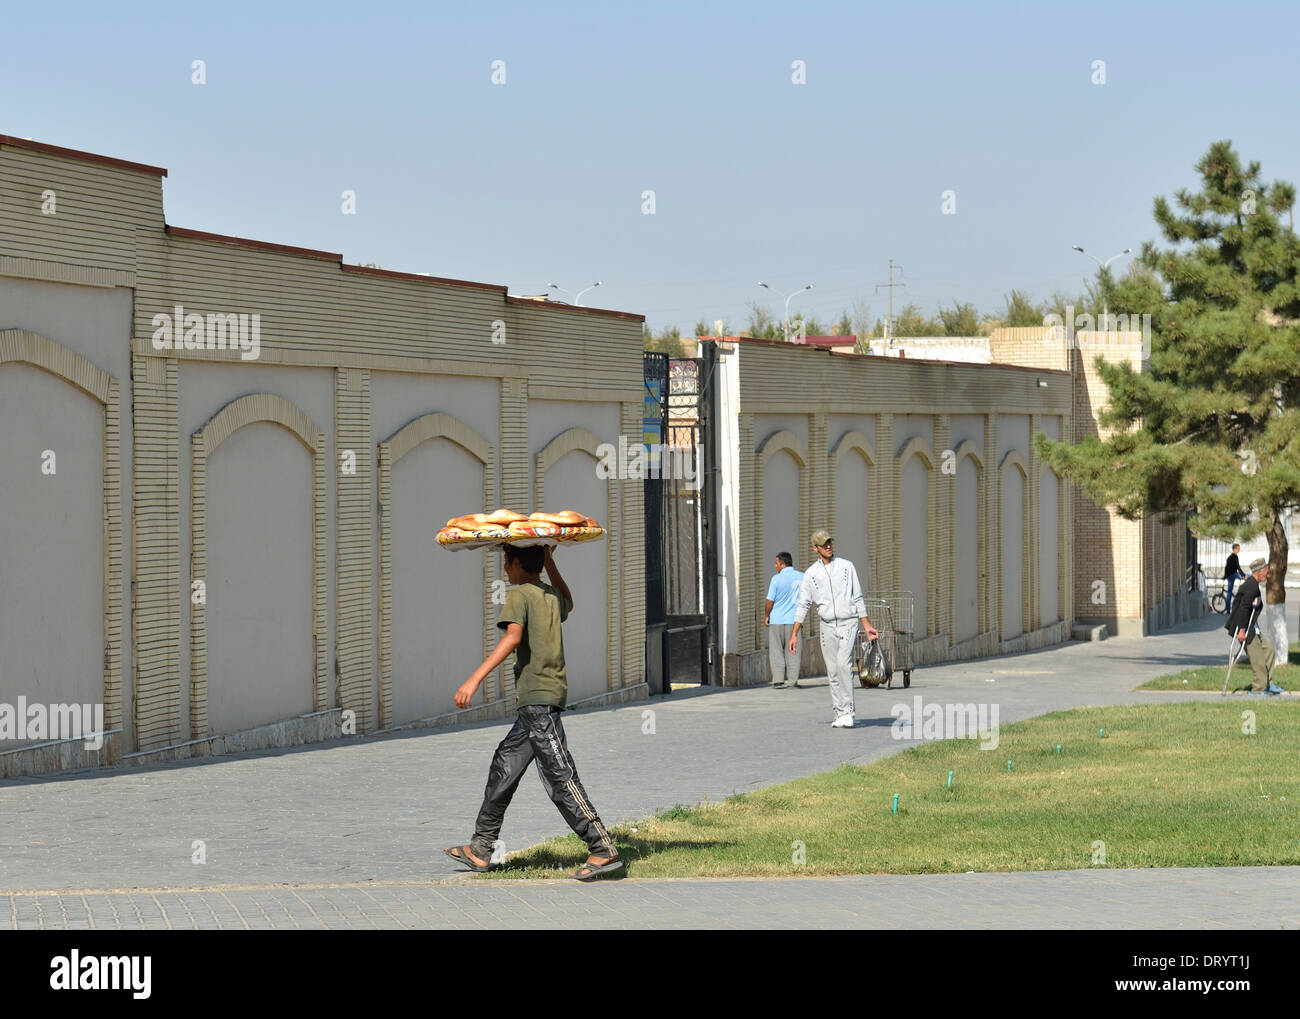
x=891, y=284
x=890, y=321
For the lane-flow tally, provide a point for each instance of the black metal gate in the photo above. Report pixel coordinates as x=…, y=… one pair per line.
x=677, y=513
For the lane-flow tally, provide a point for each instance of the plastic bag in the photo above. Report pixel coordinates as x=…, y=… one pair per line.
x=877, y=665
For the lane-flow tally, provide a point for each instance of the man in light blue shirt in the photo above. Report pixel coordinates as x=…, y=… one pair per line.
x=778, y=615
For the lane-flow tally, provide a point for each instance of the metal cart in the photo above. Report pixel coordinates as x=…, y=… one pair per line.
x=891, y=613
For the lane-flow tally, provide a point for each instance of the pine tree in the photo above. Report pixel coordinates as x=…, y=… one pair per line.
x=1214, y=425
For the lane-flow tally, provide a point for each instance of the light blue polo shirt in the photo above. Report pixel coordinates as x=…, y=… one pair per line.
x=783, y=592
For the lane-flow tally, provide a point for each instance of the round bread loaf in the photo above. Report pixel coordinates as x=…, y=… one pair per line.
x=565, y=518
x=504, y=517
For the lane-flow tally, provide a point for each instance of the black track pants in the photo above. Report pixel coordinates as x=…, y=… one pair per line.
x=538, y=733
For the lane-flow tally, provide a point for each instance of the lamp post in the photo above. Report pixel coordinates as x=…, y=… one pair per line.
x=787, y=306
x=577, y=301
x=1105, y=309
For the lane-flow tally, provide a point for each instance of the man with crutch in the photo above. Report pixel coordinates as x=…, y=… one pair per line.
x=1243, y=624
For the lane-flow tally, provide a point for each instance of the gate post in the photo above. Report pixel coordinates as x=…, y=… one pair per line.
x=708, y=418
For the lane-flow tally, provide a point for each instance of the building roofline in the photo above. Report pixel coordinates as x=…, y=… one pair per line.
x=561, y=306
x=880, y=357
x=417, y=277
x=85, y=157
x=365, y=270
x=965, y=364
x=244, y=242
x=287, y=249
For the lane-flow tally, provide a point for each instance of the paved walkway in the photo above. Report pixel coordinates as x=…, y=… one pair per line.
x=361, y=821
x=1239, y=897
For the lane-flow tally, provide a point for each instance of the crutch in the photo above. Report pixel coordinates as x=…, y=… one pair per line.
x=1233, y=652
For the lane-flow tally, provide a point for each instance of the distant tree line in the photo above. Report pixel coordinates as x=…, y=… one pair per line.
x=958, y=319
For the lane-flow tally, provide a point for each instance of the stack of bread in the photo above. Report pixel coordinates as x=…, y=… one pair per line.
x=505, y=527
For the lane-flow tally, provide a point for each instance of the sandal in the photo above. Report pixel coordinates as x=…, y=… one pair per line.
x=590, y=871
x=461, y=854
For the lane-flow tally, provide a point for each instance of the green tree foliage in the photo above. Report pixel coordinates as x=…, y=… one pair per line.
x=812, y=325
x=1214, y=425
x=762, y=324
x=766, y=326
x=911, y=321
x=960, y=320
x=668, y=341
x=1021, y=311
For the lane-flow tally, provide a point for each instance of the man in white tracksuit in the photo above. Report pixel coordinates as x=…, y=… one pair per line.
x=832, y=585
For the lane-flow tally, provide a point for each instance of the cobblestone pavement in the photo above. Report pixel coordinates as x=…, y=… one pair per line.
x=356, y=826
x=1260, y=897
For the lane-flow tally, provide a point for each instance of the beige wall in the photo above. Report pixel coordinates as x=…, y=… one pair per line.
x=1128, y=575
x=853, y=492
x=259, y=579
x=909, y=521
x=64, y=379
x=434, y=590
x=325, y=591
x=966, y=552
x=1013, y=566
x=51, y=538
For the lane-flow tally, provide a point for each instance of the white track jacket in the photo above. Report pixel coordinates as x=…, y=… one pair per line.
x=833, y=588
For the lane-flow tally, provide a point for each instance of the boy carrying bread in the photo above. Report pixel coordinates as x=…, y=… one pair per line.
x=531, y=620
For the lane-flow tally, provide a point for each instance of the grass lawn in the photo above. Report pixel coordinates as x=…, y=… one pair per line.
x=1210, y=677
x=1169, y=785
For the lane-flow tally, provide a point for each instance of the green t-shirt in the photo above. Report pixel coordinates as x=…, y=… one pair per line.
x=539, y=659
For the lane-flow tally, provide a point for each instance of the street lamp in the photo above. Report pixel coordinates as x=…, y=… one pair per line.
x=1105, y=309
x=578, y=300
x=787, y=306
x=1105, y=264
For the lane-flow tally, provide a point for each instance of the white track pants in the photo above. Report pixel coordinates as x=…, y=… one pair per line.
x=837, y=637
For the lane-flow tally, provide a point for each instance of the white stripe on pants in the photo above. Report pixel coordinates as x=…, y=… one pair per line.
x=837, y=639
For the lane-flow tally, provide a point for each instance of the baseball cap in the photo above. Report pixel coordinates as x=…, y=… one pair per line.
x=822, y=537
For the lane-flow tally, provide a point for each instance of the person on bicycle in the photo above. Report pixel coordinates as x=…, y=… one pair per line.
x=1232, y=573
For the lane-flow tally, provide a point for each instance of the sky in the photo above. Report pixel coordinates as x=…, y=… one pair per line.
x=543, y=178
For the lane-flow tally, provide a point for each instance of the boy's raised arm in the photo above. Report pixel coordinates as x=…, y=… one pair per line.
x=557, y=582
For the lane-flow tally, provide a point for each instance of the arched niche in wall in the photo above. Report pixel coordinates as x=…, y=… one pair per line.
x=257, y=408
x=21, y=347
x=409, y=437
x=1013, y=543
x=580, y=440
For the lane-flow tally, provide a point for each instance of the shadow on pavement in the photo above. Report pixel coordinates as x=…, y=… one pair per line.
x=630, y=849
